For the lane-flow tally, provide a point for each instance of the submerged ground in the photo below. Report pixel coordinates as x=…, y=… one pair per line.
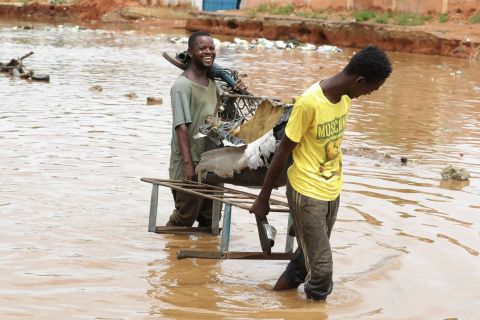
x=75, y=214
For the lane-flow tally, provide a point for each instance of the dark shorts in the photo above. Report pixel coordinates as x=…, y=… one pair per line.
x=312, y=262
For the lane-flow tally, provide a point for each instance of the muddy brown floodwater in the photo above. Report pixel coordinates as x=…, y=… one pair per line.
x=74, y=214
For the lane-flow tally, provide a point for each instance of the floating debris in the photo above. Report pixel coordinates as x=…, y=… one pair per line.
x=260, y=43
x=16, y=68
x=131, y=95
x=154, y=101
x=23, y=28
x=455, y=173
x=95, y=89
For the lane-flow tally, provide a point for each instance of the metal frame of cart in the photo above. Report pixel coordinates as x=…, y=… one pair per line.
x=229, y=197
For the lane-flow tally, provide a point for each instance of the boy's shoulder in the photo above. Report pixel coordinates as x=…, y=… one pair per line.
x=311, y=97
x=181, y=82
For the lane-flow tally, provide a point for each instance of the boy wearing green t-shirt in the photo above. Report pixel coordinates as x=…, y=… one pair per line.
x=194, y=96
x=314, y=134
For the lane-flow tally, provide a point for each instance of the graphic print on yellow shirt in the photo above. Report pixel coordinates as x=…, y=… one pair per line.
x=317, y=125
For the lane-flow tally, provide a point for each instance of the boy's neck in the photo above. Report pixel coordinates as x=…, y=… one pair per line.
x=334, y=88
x=195, y=74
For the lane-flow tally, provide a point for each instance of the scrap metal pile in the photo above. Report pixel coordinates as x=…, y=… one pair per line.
x=16, y=68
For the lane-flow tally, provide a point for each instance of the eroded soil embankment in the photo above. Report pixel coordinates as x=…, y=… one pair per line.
x=349, y=34
x=87, y=9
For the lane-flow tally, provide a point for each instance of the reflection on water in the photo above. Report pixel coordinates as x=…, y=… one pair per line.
x=75, y=214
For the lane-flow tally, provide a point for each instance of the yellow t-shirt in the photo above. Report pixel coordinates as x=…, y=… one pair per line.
x=317, y=125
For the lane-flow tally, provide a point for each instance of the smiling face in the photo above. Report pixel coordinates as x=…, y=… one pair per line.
x=203, y=52
x=361, y=87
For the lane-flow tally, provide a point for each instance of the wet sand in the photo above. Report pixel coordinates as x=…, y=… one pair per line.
x=75, y=214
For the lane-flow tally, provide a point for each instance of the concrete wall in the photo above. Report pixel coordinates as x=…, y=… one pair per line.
x=406, y=6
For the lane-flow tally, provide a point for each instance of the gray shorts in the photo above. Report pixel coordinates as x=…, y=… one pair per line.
x=312, y=262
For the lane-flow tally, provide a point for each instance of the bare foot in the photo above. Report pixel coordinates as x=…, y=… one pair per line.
x=170, y=224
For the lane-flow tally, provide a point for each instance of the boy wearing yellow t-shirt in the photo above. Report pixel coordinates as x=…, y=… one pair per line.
x=314, y=134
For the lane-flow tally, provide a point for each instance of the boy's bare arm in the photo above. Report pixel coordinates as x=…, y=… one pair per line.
x=261, y=207
x=183, y=138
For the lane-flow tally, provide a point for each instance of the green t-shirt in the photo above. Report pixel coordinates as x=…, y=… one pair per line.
x=191, y=103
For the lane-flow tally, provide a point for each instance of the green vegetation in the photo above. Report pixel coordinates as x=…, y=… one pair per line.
x=312, y=15
x=252, y=12
x=382, y=18
x=442, y=18
x=271, y=8
x=303, y=14
x=364, y=15
x=277, y=9
x=263, y=7
x=410, y=19
x=429, y=17
x=343, y=18
x=24, y=3
x=475, y=18
x=329, y=10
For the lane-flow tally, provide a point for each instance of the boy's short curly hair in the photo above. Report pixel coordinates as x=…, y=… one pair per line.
x=371, y=63
x=193, y=37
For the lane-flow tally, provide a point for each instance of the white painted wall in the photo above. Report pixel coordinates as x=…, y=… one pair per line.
x=197, y=5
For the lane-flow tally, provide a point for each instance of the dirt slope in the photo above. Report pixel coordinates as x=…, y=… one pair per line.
x=94, y=9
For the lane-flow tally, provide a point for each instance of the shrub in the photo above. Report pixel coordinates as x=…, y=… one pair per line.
x=442, y=18
x=262, y=7
x=323, y=17
x=281, y=10
x=321, y=11
x=343, y=18
x=383, y=19
x=429, y=17
x=251, y=13
x=475, y=18
x=364, y=15
x=24, y=3
x=410, y=19
x=303, y=14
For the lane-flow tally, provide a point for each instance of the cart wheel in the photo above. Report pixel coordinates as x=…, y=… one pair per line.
x=172, y=58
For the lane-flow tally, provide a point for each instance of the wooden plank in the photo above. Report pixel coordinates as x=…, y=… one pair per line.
x=174, y=184
x=217, y=207
x=184, y=230
x=259, y=256
x=152, y=220
x=227, y=218
x=183, y=254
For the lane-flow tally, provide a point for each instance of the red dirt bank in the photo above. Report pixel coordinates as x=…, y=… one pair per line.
x=86, y=10
x=462, y=41
x=450, y=39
